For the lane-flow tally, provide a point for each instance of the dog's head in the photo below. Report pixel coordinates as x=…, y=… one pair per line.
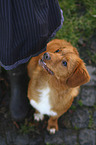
x=65, y=64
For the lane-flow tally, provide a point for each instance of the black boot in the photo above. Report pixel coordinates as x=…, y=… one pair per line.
x=19, y=104
x=1, y=92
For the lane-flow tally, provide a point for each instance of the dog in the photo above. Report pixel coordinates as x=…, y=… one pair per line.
x=55, y=79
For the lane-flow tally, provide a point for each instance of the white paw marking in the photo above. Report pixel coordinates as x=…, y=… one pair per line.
x=52, y=131
x=38, y=116
x=52, y=113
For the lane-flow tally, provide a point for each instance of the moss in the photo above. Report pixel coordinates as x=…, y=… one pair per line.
x=73, y=107
x=94, y=106
x=90, y=125
x=80, y=103
x=76, y=128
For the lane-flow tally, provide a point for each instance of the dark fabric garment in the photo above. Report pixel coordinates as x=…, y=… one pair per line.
x=25, y=28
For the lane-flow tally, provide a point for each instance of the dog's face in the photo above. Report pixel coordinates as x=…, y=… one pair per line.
x=66, y=65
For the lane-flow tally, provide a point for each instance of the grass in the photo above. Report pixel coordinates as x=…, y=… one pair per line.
x=79, y=23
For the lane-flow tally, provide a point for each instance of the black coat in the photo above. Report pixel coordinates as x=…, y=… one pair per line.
x=25, y=29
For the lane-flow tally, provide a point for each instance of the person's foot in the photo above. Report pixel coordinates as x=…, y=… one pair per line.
x=19, y=104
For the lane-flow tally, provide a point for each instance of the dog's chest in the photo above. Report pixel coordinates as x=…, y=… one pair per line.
x=43, y=105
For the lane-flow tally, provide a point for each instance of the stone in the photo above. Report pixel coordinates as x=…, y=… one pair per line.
x=57, y=138
x=11, y=135
x=70, y=137
x=22, y=140
x=80, y=118
x=88, y=96
x=8, y=137
x=92, y=73
x=37, y=140
x=94, y=118
x=64, y=121
x=63, y=136
x=2, y=141
x=87, y=137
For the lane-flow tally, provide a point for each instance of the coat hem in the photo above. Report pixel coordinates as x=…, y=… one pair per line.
x=22, y=61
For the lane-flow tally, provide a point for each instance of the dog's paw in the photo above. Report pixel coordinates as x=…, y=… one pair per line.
x=38, y=116
x=53, y=113
x=52, y=131
x=52, y=126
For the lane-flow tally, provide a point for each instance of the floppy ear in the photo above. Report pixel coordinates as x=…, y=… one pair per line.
x=79, y=77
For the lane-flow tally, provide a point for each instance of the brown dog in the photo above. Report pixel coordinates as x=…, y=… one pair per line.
x=55, y=77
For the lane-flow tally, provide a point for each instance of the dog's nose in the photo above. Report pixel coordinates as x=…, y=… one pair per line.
x=46, y=56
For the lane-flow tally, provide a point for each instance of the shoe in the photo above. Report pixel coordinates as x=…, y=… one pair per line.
x=19, y=104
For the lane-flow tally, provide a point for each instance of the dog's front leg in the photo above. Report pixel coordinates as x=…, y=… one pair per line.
x=52, y=125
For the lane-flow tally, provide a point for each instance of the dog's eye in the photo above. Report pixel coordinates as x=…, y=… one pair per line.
x=57, y=50
x=64, y=63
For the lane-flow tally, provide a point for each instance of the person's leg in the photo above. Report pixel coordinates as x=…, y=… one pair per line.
x=19, y=104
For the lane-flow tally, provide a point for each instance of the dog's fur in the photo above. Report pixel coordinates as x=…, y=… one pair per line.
x=53, y=94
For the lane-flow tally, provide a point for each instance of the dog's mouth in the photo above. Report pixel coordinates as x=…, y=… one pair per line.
x=43, y=64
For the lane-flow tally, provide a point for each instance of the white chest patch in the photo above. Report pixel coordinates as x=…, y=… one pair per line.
x=43, y=105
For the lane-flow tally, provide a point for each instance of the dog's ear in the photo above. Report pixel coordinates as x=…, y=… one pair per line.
x=79, y=77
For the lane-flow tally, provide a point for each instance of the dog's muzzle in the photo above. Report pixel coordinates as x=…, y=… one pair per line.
x=46, y=56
